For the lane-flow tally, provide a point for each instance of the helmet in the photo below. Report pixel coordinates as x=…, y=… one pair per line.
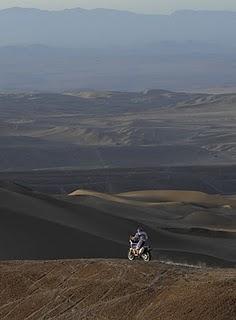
x=139, y=229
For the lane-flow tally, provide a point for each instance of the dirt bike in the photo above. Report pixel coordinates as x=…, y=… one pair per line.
x=143, y=253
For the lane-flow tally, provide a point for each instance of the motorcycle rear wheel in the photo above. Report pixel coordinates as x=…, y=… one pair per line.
x=131, y=256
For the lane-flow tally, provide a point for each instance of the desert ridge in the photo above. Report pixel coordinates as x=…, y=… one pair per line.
x=104, y=289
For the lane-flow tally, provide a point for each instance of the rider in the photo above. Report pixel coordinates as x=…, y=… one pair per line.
x=139, y=239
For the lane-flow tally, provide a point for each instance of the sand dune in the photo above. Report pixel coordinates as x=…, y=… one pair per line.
x=37, y=226
x=215, y=220
x=194, y=197
x=120, y=198
x=158, y=197
x=114, y=289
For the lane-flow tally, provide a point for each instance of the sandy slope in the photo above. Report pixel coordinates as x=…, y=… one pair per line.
x=114, y=289
x=36, y=226
x=155, y=197
x=120, y=198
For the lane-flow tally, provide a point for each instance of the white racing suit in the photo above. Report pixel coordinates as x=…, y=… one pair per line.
x=139, y=240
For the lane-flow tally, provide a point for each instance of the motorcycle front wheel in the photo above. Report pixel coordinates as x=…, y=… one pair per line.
x=146, y=256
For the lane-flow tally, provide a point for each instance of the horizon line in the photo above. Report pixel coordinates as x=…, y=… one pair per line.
x=116, y=10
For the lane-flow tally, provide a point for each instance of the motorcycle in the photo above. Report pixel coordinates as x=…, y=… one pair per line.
x=143, y=253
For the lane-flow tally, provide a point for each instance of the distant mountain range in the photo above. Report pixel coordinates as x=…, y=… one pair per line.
x=116, y=50
x=101, y=27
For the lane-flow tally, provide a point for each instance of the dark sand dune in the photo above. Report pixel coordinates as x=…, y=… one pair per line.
x=114, y=289
x=216, y=221
x=36, y=226
x=208, y=179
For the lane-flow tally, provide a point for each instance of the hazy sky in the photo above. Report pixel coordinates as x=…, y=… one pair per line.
x=146, y=6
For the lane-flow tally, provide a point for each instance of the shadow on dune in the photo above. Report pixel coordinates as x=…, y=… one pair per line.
x=89, y=225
